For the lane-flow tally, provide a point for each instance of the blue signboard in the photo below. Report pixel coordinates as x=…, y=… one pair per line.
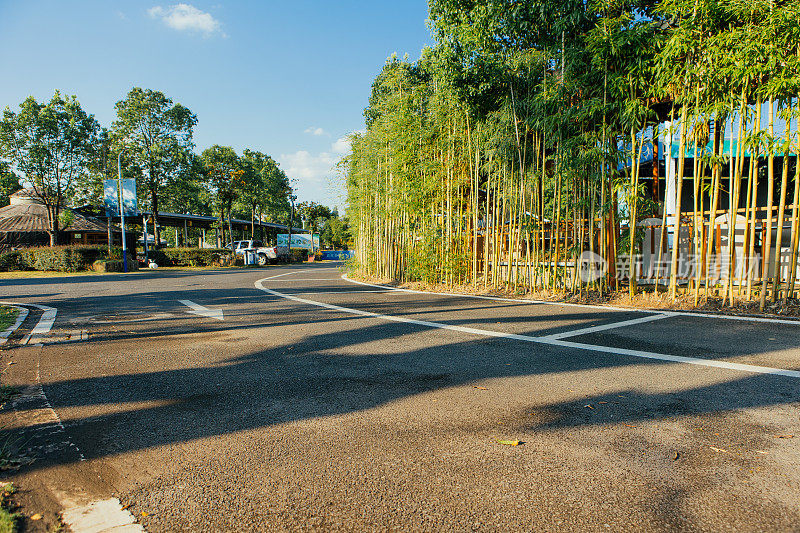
x=111, y=197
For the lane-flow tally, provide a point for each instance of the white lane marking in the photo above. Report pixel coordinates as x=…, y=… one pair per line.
x=541, y=340
x=198, y=309
x=44, y=416
x=101, y=516
x=293, y=280
x=585, y=306
x=604, y=327
x=22, y=313
x=341, y=292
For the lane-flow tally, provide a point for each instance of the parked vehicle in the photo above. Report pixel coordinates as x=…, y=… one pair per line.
x=264, y=254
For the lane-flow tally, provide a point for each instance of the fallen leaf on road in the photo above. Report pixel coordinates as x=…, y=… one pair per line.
x=718, y=449
x=479, y=388
x=37, y=516
x=144, y=513
x=508, y=442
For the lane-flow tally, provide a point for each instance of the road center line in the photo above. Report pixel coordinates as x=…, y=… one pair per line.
x=540, y=340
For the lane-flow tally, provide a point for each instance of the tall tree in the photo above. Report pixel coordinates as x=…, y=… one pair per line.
x=9, y=183
x=313, y=213
x=264, y=187
x=224, y=171
x=51, y=144
x=157, y=135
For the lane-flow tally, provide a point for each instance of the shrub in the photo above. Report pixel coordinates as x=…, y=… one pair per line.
x=56, y=258
x=194, y=256
x=299, y=255
x=11, y=261
x=108, y=265
x=159, y=257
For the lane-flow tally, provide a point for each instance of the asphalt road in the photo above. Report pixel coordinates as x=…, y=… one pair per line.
x=318, y=403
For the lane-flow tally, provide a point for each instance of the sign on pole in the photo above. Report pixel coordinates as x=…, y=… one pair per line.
x=300, y=241
x=111, y=197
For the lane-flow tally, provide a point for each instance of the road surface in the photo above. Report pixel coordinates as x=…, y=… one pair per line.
x=288, y=398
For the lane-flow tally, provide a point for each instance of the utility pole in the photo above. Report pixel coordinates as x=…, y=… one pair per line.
x=292, y=197
x=122, y=211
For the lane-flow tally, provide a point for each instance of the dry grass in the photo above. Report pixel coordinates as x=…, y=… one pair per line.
x=644, y=299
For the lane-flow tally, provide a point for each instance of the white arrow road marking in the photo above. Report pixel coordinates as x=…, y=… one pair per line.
x=198, y=309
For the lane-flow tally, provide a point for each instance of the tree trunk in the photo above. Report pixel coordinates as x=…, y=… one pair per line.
x=53, y=211
x=156, y=227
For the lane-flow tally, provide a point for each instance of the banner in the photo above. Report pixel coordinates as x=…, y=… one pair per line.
x=111, y=197
x=300, y=240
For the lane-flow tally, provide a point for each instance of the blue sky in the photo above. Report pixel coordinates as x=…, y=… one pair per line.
x=289, y=78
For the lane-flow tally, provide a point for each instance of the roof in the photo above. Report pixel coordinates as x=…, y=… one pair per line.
x=28, y=193
x=171, y=219
x=33, y=217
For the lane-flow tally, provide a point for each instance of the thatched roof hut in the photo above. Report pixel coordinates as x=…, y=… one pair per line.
x=25, y=222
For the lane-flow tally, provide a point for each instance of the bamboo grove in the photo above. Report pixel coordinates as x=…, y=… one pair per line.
x=514, y=149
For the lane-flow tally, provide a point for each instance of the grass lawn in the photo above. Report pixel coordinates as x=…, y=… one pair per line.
x=9, y=517
x=8, y=315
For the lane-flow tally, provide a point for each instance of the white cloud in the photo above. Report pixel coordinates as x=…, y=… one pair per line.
x=342, y=145
x=316, y=131
x=186, y=17
x=306, y=166
x=316, y=177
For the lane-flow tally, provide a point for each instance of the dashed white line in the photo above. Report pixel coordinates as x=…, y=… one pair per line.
x=541, y=340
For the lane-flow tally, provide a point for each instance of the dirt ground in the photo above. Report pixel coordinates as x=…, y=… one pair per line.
x=645, y=298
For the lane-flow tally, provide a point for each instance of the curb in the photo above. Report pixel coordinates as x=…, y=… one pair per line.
x=23, y=314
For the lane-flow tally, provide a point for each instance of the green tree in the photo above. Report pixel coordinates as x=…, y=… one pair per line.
x=336, y=232
x=264, y=187
x=51, y=144
x=9, y=183
x=224, y=173
x=157, y=135
x=314, y=214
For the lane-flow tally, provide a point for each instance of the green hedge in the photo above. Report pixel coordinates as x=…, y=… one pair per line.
x=190, y=256
x=56, y=258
